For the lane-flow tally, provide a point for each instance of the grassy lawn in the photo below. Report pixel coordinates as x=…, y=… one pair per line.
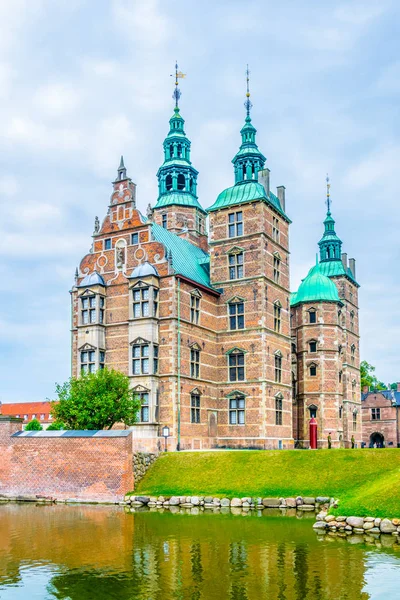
x=367, y=481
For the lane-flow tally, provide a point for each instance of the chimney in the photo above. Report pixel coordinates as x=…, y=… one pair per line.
x=344, y=259
x=352, y=265
x=263, y=178
x=281, y=195
x=365, y=389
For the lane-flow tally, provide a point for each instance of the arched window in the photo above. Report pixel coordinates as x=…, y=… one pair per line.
x=171, y=150
x=168, y=182
x=244, y=171
x=179, y=150
x=181, y=181
x=313, y=411
x=191, y=184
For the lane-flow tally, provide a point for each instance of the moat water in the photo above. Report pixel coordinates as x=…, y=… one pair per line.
x=99, y=553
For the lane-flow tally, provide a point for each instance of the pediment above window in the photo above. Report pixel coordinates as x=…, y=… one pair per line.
x=235, y=300
x=196, y=293
x=312, y=363
x=140, y=284
x=87, y=292
x=140, y=389
x=236, y=351
x=196, y=392
x=236, y=394
x=235, y=250
x=87, y=347
x=195, y=346
x=277, y=255
x=140, y=340
x=279, y=396
x=278, y=353
x=278, y=303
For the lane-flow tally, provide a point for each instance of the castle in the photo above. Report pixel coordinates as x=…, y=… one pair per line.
x=204, y=324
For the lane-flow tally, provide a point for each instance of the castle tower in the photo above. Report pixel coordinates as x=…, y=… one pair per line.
x=249, y=265
x=325, y=343
x=177, y=208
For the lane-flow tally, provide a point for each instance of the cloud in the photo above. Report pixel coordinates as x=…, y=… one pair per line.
x=57, y=99
x=143, y=22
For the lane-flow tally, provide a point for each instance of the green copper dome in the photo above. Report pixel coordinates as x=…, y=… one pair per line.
x=316, y=287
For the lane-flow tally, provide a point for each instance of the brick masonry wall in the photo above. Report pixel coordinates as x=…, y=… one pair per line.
x=87, y=469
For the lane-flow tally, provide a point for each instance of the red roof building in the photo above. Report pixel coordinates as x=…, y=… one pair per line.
x=28, y=411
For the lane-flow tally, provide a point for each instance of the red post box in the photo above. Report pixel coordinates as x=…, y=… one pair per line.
x=313, y=434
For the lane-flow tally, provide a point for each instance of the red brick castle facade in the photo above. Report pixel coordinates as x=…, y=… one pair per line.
x=201, y=322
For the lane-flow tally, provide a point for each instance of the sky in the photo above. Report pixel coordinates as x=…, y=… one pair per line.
x=82, y=83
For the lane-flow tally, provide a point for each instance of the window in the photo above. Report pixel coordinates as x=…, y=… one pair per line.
x=340, y=412
x=141, y=303
x=144, y=409
x=277, y=266
x=236, y=315
x=353, y=391
x=102, y=359
x=375, y=414
x=278, y=409
x=42, y=417
x=236, y=266
x=88, y=361
x=134, y=238
x=237, y=410
x=313, y=370
x=164, y=219
x=101, y=310
x=155, y=359
x=353, y=354
x=354, y=420
x=275, y=229
x=313, y=411
x=340, y=376
x=25, y=417
x=352, y=321
x=155, y=302
x=194, y=408
x=278, y=368
x=17, y=416
x=107, y=244
x=235, y=225
x=194, y=363
x=312, y=316
x=236, y=366
x=313, y=346
x=277, y=317
x=199, y=219
x=140, y=359
x=194, y=309
x=33, y=416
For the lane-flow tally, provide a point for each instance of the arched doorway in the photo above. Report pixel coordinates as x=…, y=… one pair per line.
x=376, y=440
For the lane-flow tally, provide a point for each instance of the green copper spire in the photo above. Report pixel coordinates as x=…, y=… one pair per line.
x=249, y=160
x=177, y=178
x=330, y=246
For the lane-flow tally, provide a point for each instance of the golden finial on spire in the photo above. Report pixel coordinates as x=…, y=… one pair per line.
x=248, y=105
x=328, y=195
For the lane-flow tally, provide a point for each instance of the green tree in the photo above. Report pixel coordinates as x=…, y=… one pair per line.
x=368, y=377
x=96, y=401
x=56, y=426
x=33, y=425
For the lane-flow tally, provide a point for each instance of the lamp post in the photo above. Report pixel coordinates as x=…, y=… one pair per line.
x=165, y=432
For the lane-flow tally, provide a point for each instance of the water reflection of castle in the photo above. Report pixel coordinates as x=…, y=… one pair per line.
x=158, y=556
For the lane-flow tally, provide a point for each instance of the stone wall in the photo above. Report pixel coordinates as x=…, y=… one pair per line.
x=141, y=462
x=65, y=465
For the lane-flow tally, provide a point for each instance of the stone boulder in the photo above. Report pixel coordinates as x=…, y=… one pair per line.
x=387, y=526
x=174, y=501
x=195, y=500
x=320, y=525
x=271, y=502
x=357, y=522
x=330, y=518
x=225, y=502
x=308, y=500
x=236, y=502
x=291, y=502
x=322, y=499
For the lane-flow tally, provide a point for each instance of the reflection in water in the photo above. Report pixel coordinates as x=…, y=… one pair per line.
x=83, y=552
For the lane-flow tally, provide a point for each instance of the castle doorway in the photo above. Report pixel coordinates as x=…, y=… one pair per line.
x=376, y=440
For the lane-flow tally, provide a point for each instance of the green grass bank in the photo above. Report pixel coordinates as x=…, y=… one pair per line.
x=366, y=481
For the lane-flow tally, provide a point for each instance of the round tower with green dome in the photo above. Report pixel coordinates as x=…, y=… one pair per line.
x=325, y=346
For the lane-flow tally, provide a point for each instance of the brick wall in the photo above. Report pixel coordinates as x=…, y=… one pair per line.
x=96, y=468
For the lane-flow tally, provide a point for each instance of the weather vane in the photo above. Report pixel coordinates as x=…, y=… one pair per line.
x=248, y=105
x=328, y=195
x=177, y=92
